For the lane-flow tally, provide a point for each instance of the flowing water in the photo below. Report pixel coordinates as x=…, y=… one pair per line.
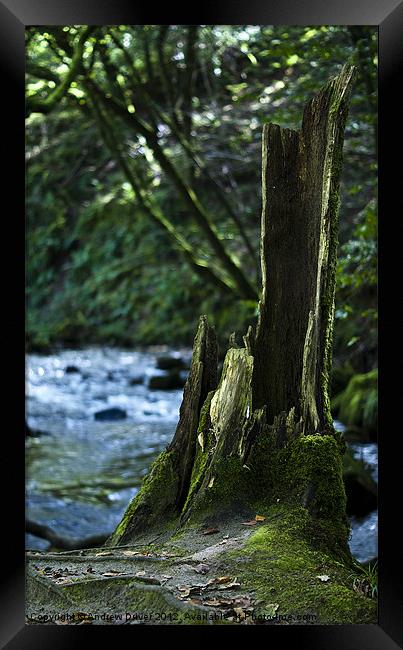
x=81, y=473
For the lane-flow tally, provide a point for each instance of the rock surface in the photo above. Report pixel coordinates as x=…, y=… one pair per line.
x=110, y=414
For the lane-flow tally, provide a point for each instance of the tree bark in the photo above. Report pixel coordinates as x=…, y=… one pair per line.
x=265, y=434
x=301, y=177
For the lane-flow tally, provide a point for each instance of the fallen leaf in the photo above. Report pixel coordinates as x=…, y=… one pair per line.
x=220, y=580
x=252, y=522
x=202, y=568
x=82, y=616
x=187, y=590
x=184, y=589
x=323, y=578
x=240, y=613
x=214, y=602
x=260, y=518
x=210, y=531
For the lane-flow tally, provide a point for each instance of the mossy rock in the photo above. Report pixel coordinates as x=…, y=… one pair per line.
x=357, y=405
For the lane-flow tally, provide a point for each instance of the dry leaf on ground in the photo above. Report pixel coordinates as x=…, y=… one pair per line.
x=220, y=580
x=210, y=531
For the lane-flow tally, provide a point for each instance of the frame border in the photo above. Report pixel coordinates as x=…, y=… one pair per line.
x=15, y=15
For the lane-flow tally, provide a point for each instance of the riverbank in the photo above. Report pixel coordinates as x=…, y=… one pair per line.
x=82, y=472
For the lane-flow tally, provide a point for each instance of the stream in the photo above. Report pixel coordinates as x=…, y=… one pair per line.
x=81, y=472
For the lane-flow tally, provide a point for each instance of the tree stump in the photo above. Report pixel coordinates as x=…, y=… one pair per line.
x=266, y=433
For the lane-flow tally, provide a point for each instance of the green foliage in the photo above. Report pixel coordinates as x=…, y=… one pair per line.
x=357, y=405
x=99, y=268
x=366, y=583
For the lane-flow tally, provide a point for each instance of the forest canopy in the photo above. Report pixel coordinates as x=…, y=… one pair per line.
x=143, y=176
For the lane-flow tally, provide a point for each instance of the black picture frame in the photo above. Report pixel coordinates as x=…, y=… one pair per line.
x=388, y=16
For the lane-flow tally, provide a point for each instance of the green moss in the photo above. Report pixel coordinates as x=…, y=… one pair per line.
x=158, y=490
x=308, y=470
x=315, y=475
x=357, y=405
x=204, y=446
x=229, y=485
x=281, y=563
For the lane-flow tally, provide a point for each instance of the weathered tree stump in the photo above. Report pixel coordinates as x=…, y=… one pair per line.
x=266, y=431
x=255, y=461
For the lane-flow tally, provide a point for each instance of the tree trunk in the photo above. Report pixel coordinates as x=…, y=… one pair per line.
x=265, y=433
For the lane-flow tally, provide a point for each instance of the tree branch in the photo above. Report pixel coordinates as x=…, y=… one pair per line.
x=199, y=266
x=37, y=105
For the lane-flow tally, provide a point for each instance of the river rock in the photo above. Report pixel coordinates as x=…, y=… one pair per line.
x=110, y=414
x=170, y=381
x=135, y=381
x=171, y=363
x=69, y=370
